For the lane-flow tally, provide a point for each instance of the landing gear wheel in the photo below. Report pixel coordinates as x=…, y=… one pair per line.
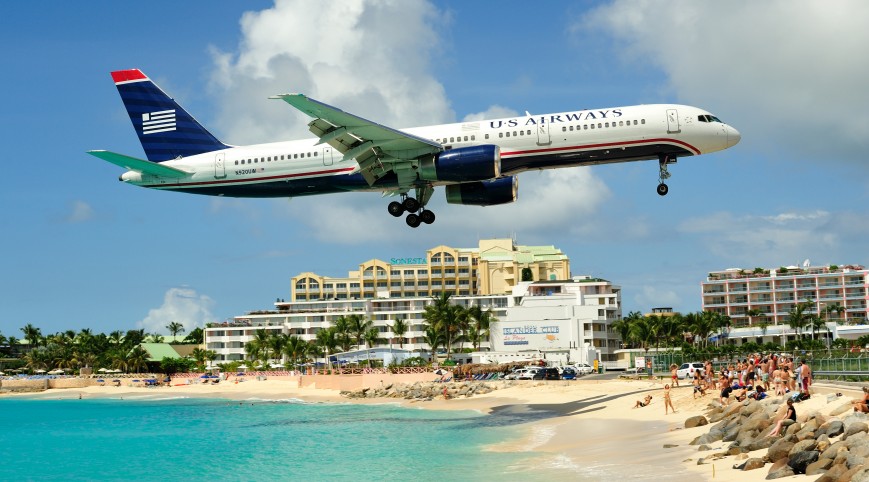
x=427, y=216
x=411, y=205
x=395, y=208
x=663, y=189
x=412, y=220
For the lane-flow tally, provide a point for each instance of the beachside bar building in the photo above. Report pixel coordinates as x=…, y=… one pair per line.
x=489, y=276
x=759, y=301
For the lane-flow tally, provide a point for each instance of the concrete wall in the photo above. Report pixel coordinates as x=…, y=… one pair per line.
x=355, y=382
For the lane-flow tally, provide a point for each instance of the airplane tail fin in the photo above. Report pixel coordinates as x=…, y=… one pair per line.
x=165, y=129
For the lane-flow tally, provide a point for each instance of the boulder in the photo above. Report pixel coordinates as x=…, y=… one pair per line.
x=785, y=471
x=756, y=424
x=855, y=428
x=861, y=476
x=753, y=463
x=833, y=450
x=819, y=467
x=842, y=409
x=833, y=474
x=802, y=446
x=779, y=449
x=800, y=460
x=696, y=421
x=759, y=443
x=851, y=474
x=834, y=428
x=853, y=460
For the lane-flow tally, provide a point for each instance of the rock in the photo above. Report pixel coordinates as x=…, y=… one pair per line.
x=696, y=421
x=779, y=449
x=833, y=450
x=818, y=467
x=842, y=409
x=850, y=474
x=800, y=460
x=853, y=460
x=757, y=424
x=802, y=446
x=785, y=471
x=855, y=428
x=670, y=446
x=759, y=443
x=833, y=428
x=703, y=448
x=861, y=476
x=856, y=440
x=792, y=428
x=833, y=474
x=753, y=463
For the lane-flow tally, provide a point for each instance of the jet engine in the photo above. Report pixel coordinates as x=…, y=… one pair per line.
x=484, y=193
x=475, y=163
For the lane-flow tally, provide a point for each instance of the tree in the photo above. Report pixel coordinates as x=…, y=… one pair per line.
x=480, y=321
x=445, y=318
x=174, y=328
x=33, y=335
x=295, y=349
x=327, y=341
x=358, y=326
x=433, y=338
x=797, y=318
x=195, y=337
x=527, y=274
x=371, y=337
x=752, y=313
x=137, y=359
x=342, y=333
x=200, y=356
x=834, y=308
x=399, y=328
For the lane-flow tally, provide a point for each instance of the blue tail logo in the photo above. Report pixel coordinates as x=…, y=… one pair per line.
x=165, y=129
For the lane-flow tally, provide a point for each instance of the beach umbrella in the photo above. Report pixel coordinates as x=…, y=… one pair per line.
x=103, y=370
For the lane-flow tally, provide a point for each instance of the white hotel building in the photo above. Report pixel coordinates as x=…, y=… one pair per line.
x=572, y=314
x=839, y=295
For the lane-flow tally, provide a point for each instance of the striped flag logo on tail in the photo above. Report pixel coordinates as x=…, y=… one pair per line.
x=161, y=121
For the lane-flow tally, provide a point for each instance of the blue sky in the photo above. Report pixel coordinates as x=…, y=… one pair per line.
x=79, y=249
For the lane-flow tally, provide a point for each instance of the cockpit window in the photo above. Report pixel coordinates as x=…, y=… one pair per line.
x=708, y=118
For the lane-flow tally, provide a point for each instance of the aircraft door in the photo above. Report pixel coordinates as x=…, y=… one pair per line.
x=220, y=165
x=543, y=134
x=673, y=122
x=327, y=156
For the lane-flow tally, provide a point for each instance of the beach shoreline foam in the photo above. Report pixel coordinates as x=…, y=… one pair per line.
x=585, y=428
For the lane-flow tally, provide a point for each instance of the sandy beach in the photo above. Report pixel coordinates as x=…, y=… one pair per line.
x=586, y=427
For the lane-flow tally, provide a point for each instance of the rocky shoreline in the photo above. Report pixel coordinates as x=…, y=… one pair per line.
x=833, y=446
x=424, y=391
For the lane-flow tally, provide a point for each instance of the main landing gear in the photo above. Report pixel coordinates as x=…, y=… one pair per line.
x=663, y=174
x=417, y=212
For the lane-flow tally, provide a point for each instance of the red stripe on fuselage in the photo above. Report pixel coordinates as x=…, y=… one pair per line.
x=605, y=144
x=250, y=180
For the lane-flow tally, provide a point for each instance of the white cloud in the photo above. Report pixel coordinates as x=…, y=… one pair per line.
x=80, y=212
x=183, y=305
x=351, y=54
x=654, y=296
x=781, y=71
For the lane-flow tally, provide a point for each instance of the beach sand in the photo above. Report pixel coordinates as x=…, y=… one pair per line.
x=585, y=429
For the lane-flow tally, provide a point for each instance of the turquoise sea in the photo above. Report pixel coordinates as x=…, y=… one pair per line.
x=216, y=439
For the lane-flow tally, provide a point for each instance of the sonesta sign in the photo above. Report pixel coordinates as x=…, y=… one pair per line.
x=407, y=261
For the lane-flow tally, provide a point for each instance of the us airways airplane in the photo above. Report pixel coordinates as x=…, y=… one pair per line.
x=477, y=162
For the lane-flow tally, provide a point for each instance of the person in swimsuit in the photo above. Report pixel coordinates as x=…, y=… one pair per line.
x=790, y=414
x=862, y=405
x=667, y=401
x=673, y=375
x=644, y=402
x=698, y=385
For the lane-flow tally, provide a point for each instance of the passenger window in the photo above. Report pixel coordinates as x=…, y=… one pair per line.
x=487, y=136
x=452, y=139
x=592, y=126
x=585, y=127
x=466, y=138
x=529, y=132
x=315, y=154
x=473, y=138
x=500, y=134
x=514, y=133
x=635, y=122
x=642, y=121
x=508, y=134
x=621, y=123
x=295, y=156
x=236, y=162
x=599, y=125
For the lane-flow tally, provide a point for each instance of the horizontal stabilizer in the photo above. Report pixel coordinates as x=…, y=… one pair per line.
x=139, y=165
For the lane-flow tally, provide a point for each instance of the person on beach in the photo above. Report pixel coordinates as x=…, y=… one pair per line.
x=789, y=417
x=698, y=385
x=725, y=394
x=644, y=402
x=667, y=401
x=673, y=375
x=862, y=405
x=806, y=374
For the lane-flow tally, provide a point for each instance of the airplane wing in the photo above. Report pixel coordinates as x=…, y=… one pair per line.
x=138, y=165
x=377, y=148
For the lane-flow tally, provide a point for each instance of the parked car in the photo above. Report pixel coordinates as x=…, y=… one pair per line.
x=583, y=368
x=529, y=374
x=514, y=375
x=568, y=373
x=550, y=374
x=687, y=370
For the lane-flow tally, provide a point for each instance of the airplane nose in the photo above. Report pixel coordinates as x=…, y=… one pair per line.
x=733, y=136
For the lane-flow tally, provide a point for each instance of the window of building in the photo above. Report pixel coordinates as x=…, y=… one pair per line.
x=408, y=272
x=395, y=272
x=354, y=285
x=422, y=272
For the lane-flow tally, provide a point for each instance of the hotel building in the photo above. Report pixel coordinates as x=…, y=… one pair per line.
x=489, y=276
x=838, y=295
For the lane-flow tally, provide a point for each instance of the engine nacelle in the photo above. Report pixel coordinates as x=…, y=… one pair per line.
x=475, y=163
x=484, y=193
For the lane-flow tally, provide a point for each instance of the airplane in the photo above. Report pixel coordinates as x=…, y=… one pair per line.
x=477, y=162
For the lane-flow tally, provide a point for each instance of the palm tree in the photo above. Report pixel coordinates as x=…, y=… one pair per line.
x=33, y=335
x=295, y=349
x=371, y=337
x=752, y=313
x=834, y=308
x=327, y=341
x=445, y=318
x=276, y=344
x=200, y=356
x=399, y=328
x=480, y=321
x=797, y=318
x=358, y=326
x=434, y=338
x=137, y=359
x=261, y=339
x=116, y=337
x=134, y=338
x=196, y=336
x=342, y=333
x=174, y=328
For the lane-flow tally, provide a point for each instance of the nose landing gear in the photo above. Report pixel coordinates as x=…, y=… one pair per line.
x=664, y=174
